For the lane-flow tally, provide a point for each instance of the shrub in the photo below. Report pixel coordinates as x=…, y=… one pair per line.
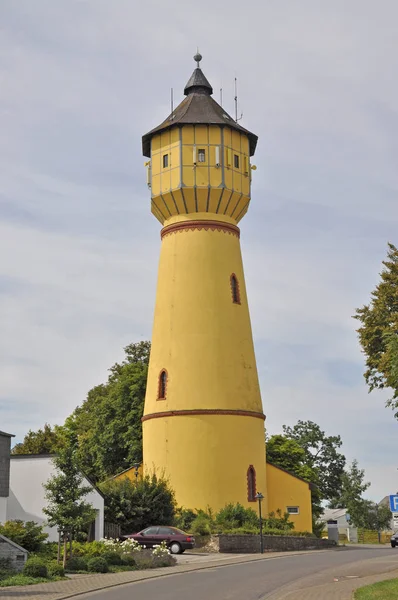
x=128, y=560
x=112, y=558
x=29, y=535
x=76, y=563
x=35, y=567
x=89, y=549
x=135, y=505
x=236, y=515
x=6, y=573
x=97, y=565
x=184, y=518
x=201, y=525
x=55, y=569
x=166, y=560
x=276, y=521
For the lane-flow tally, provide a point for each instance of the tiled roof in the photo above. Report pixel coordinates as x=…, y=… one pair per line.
x=198, y=108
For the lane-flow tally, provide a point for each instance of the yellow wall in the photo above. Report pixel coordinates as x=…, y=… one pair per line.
x=130, y=474
x=286, y=490
x=210, y=186
x=204, y=341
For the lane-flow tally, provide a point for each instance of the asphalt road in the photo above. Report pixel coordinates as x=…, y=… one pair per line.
x=255, y=580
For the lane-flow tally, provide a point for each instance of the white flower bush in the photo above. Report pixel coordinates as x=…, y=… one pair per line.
x=131, y=546
x=128, y=546
x=160, y=550
x=111, y=544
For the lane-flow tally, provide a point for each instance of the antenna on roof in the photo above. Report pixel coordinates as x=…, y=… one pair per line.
x=171, y=101
x=236, y=102
x=221, y=96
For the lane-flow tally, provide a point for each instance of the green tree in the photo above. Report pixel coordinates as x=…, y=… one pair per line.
x=287, y=454
x=29, y=535
x=42, y=441
x=321, y=456
x=378, y=332
x=135, y=505
x=65, y=492
x=376, y=516
x=108, y=423
x=350, y=497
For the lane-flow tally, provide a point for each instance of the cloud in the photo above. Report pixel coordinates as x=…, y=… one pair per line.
x=82, y=81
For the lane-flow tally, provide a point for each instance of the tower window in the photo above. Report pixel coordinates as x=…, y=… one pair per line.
x=201, y=155
x=165, y=160
x=235, y=289
x=162, y=385
x=293, y=510
x=251, y=484
x=236, y=161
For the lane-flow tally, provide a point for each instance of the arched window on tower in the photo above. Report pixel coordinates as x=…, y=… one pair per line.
x=251, y=484
x=235, y=289
x=162, y=385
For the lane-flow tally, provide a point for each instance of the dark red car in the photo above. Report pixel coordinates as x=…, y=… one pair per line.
x=176, y=540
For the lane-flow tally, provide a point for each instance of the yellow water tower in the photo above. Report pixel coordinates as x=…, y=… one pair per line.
x=203, y=423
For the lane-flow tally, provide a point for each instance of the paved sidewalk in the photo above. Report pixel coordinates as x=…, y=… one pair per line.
x=82, y=584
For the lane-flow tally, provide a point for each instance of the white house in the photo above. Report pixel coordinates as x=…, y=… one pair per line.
x=23, y=476
x=343, y=522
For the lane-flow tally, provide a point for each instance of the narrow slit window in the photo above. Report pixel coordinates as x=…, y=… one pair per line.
x=251, y=484
x=162, y=385
x=165, y=160
x=235, y=289
x=236, y=161
x=201, y=155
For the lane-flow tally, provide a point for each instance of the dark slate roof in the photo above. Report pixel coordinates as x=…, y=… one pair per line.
x=7, y=434
x=198, y=82
x=198, y=108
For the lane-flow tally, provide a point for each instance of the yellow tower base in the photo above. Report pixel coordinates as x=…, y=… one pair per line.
x=203, y=424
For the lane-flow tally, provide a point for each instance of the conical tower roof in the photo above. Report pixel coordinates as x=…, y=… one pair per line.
x=198, y=108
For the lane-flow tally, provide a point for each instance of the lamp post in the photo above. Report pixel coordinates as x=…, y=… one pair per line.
x=260, y=497
x=136, y=467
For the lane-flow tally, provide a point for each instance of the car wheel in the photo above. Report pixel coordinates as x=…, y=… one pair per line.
x=175, y=548
x=393, y=545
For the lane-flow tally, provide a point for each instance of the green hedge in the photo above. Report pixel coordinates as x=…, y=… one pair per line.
x=35, y=567
x=97, y=565
x=77, y=563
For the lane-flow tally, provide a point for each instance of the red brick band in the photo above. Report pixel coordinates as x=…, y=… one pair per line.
x=203, y=411
x=199, y=225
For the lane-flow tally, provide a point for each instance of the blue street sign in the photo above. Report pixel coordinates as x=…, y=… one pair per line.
x=394, y=503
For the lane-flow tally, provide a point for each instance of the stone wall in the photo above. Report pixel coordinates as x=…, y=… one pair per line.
x=250, y=544
x=12, y=551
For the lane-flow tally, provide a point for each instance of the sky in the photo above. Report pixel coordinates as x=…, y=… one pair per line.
x=82, y=80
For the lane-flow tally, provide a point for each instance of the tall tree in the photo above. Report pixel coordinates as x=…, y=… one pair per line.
x=378, y=332
x=321, y=455
x=286, y=453
x=108, y=423
x=65, y=492
x=289, y=455
x=350, y=497
x=42, y=441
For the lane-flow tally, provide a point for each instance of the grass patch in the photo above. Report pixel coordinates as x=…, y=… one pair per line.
x=385, y=590
x=22, y=580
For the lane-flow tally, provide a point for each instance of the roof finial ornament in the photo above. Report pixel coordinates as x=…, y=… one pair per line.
x=198, y=57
